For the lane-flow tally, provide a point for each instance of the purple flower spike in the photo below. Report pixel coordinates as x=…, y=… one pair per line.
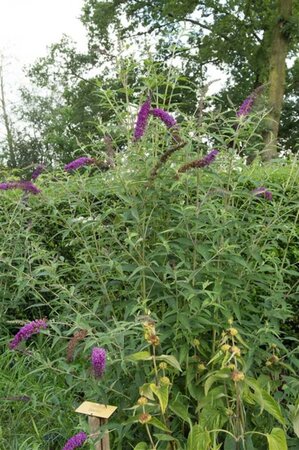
x=77, y=163
x=76, y=441
x=262, y=192
x=37, y=171
x=98, y=361
x=199, y=163
x=164, y=116
x=142, y=119
x=27, y=331
x=247, y=105
x=26, y=186
x=209, y=158
x=8, y=185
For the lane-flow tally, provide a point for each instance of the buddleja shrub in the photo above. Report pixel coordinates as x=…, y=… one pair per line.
x=176, y=230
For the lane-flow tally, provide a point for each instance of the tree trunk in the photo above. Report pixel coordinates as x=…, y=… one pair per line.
x=9, y=137
x=277, y=76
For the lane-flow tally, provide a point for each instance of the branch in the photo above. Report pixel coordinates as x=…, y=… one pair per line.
x=195, y=22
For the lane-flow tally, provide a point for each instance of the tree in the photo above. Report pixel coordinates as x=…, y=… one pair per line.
x=249, y=39
x=12, y=162
x=277, y=74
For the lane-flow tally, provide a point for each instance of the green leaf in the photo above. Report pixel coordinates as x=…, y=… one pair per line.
x=162, y=393
x=180, y=409
x=265, y=401
x=141, y=446
x=145, y=391
x=164, y=437
x=140, y=356
x=171, y=360
x=295, y=423
x=277, y=439
x=158, y=424
x=216, y=376
x=198, y=439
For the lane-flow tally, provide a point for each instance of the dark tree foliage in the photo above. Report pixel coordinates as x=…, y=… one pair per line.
x=234, y=35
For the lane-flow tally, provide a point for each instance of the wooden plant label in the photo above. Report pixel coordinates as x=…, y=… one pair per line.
x=98, y=416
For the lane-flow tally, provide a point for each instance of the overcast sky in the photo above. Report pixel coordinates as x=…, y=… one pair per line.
x=27, y=27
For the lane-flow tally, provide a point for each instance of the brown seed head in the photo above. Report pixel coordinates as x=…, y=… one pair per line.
x=78, y=336
x=235, y=350
x=237, y=376
x=154, y=340
x=274, y=359
x=144, y=418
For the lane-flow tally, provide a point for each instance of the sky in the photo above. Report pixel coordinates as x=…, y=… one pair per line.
x=27, y=27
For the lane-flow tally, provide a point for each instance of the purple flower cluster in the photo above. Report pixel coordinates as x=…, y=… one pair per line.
x=76, y=441
x=247, y=105
x=143, y=115
x=98, y=361
x=27, y=331
x=142, y=119
x=209, y=158
x=262, y=192
x=164, y=116
x=26, y=186
x=77, y=163
x=199, y=163
x=37, y=171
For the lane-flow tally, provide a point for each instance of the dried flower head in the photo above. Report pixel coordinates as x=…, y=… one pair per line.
x=154, y=340
x=274, y=359
x=27, y=331
x=237, y=376
x=76, y=441
x=98, y=361
x=78, y=336
x=144, y=418
x=235, y=350
x=77, y=163
x=142, y=119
